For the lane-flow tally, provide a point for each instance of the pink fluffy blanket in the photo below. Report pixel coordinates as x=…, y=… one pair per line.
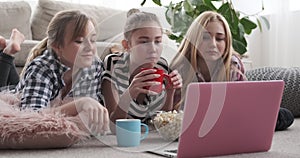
x=25, y=129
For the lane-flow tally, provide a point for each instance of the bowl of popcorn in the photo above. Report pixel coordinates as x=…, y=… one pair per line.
x=168, y=124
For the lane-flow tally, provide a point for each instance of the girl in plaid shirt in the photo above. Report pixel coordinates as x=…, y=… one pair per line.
x=63, y=73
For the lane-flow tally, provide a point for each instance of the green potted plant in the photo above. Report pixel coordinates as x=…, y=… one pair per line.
x=180, y=15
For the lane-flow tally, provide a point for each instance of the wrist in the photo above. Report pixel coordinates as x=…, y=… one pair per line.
x=170, y=91
x=126, y=98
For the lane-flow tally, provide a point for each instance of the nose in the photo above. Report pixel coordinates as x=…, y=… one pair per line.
x=213, y=42
x=88, y=45
x=152, y=47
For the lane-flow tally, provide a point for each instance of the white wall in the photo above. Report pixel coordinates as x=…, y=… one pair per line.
x=278, y=46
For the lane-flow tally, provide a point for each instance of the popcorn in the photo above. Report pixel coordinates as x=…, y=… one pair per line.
x=168, y=124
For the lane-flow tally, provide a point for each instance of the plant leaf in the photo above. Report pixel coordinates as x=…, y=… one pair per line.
x=200, y=9
x=169, y=14
x=248, y=25
x=196, y=2
x=187, y=6
x=157, y=2
x=230, y=15
x=173, y=37
x=180, y=38
x=241, y=31
x=178, y=6
x=209, y=4
x=239, y=47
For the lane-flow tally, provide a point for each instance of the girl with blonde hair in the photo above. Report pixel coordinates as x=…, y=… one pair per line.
x=206, y=55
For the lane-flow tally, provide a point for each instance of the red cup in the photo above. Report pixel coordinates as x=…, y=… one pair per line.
x=160, y=79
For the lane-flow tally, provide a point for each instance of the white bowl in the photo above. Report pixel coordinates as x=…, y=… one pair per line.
x=168, y=124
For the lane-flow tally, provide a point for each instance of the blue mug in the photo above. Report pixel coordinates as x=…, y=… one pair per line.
x=128, y=132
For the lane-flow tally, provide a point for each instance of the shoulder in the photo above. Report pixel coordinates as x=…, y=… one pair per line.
x=37, y=67
x=235, y=58
x=114, y=59
x=45, y=60
x=45, y=65
x=236, y=61
x=237, y=69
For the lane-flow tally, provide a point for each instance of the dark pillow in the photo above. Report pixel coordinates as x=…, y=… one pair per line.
x=291, y=77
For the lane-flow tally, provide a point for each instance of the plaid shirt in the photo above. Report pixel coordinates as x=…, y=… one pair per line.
x=43, y=81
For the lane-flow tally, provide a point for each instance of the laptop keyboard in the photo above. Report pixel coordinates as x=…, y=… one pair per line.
x=171, y=151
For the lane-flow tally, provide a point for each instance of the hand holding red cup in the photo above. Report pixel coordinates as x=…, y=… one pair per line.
x=158, y=88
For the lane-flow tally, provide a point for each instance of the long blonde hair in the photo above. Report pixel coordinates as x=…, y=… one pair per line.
x=188, y=49
x=188, y=60
x=56, y=32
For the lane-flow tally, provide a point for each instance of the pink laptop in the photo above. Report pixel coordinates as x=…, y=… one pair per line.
x=222, y=118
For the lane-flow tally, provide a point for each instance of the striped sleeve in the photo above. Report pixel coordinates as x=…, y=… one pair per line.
x=163, y=64
x=109, y=68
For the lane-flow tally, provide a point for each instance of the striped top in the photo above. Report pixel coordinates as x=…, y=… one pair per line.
x=116, y=70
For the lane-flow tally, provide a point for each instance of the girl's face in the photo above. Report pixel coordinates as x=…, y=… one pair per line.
x=145, y=45
x=213, y=43
x=78, y=53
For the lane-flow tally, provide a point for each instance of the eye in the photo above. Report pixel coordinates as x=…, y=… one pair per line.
x=220, y=39
x=143, y=42
x=79, y=41
x=158, y=41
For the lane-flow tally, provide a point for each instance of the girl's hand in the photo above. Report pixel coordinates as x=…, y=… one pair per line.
x=176, y=80
x=93, y=115
x=141, y=80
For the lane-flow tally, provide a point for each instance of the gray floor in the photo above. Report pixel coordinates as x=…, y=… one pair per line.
x=286, y=144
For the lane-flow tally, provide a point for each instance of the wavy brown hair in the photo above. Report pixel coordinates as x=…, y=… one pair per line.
x=56, y=31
